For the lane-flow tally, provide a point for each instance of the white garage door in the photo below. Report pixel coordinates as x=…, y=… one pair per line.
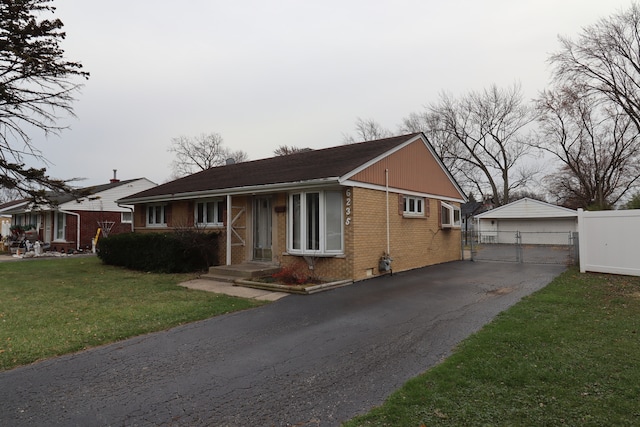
x=537, y=232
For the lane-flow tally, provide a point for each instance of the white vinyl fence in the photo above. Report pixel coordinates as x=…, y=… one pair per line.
x=609, y=241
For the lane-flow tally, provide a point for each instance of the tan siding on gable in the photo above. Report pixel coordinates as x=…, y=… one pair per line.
x=411, y=168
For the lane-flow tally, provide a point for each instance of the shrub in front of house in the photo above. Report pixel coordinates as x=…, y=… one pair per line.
x=181, y=252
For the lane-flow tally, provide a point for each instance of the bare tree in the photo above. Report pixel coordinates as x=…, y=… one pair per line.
x=366, y=130
x=597, y=145
x=605, y=62
x=202, y=152
x=7, y=195
x=36, y=85
x=482, y=138
x=285, y=150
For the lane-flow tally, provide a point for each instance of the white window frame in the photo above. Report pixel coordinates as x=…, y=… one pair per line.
x=155, y=222
x=413, y=206
x=322, y=224
x=217, y=213
x=125, y=220
x=59, y=227
x=450, y=216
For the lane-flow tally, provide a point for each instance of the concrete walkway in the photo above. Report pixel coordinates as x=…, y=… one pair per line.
x=229, y=289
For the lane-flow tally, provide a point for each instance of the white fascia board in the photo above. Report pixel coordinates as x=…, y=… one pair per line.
x=400, y=191
x=251, y=190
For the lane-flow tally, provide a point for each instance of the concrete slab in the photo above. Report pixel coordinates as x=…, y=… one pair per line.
x=229, y=289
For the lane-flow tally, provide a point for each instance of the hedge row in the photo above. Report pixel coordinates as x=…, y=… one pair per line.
x=182, y=252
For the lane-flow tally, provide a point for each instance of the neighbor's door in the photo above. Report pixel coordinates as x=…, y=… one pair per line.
x=262, y=229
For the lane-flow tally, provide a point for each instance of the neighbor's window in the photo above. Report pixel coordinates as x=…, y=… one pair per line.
x=156, y=215
x=413, y=205
x=126, y=217
x=209, y=212
x=315, y=222
x=450, y=216
x=59, y=226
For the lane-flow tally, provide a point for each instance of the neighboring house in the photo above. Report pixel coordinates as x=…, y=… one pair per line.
x=336, y=210
x=68, y=224
x=538, y=223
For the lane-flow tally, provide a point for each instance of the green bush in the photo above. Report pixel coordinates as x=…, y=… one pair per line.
x=181, y=252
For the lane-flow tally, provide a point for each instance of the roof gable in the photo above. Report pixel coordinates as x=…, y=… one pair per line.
x=528, y=208
x=325, y=165
x=413, y=166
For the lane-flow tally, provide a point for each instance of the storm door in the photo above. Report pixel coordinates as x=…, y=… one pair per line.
x=262, y=229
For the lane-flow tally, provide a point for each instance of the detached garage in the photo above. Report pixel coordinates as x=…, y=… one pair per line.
x=535, y=222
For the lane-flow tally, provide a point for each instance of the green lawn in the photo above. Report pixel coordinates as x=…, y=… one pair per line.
x=57, y=306
x=567, y=355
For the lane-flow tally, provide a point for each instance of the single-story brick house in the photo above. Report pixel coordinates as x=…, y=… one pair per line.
x=339, y=209
x=70, y=224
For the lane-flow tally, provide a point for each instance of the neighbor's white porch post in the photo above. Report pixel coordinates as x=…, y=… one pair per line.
x=229, y=229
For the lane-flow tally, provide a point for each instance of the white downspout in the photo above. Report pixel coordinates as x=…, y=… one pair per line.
x=131, y=208
x=77, y=215
x=229, y=229
x=386, y=184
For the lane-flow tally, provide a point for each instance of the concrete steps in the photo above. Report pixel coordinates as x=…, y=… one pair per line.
x=246, y=271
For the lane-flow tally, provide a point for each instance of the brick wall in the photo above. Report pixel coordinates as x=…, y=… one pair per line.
x=414, y=242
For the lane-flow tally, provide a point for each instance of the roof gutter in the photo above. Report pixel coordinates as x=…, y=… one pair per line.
x=254, y=189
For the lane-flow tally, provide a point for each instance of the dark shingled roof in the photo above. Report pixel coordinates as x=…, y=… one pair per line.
x=297, y=167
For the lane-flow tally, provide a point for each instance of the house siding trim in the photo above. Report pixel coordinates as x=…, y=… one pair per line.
x=370, y=186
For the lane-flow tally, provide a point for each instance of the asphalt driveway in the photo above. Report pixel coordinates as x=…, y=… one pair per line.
x=301, y=361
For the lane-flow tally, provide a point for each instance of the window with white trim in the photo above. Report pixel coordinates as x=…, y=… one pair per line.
x=59, y=226
x=450, y=216
x=209, y=212
x=413, y=206
x=126, y=217
x=315, y=223
x=156, y=215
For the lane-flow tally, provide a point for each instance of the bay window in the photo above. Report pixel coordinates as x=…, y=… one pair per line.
x=450, y=216
x=315, y=223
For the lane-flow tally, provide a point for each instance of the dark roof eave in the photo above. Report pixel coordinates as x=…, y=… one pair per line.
x=254, y=189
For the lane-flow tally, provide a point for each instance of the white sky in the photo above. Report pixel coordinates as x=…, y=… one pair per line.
x=268, y=73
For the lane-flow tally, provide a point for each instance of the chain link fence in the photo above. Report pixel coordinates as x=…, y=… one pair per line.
x=522, y=246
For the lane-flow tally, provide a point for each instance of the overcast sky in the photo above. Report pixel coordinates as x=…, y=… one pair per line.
x=268, y=73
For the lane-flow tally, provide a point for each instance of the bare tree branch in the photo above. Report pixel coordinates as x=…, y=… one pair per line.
x=202, y=152
x=366, y=130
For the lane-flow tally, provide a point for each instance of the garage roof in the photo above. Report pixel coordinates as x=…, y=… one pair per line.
x=528, y=208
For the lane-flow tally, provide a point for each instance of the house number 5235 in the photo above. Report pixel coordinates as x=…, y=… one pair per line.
x=347, y=207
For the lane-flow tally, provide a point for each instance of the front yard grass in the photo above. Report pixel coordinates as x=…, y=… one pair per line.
x=567, y=355
x=56, y=306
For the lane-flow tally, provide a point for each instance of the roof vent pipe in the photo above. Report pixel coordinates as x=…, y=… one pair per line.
x=114, y=179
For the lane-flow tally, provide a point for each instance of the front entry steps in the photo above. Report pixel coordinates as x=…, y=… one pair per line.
x=245, y=271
